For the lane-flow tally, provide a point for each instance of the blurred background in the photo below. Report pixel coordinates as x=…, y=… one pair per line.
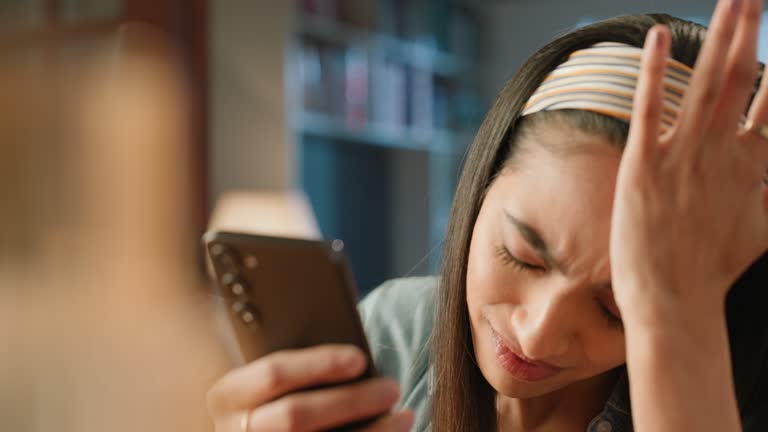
x=129, y=127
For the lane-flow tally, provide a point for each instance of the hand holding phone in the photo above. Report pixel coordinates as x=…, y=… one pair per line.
x=292, y=306
x=270, y=394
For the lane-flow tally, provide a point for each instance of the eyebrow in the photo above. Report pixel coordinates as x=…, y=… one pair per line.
x=534, y=239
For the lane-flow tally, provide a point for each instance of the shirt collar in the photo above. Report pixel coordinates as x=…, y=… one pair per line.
x=616, y=416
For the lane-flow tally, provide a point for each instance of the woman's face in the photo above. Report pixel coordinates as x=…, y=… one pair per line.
x=538, y=278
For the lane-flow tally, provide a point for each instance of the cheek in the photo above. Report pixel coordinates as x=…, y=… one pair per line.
x=605, y=350
x=486, y=281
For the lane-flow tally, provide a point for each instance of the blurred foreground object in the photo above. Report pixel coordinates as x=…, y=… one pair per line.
x=281, y=213
x=104, y=319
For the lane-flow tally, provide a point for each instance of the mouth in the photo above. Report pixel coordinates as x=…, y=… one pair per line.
x=517, y=365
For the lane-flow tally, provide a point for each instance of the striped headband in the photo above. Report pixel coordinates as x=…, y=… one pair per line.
x=603, y=79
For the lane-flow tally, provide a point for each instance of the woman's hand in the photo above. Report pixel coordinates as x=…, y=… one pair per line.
x=690, y=215
x=691, y=208
x=278, y=393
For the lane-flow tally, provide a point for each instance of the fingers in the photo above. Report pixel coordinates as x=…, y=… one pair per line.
x=708, y=77
x=755, y=135
x=765, y=196
x=645, y=126
x=756, y=118
x=397, y=422
x=758, y=111
x=755, y=138
x=326, y=408
x=741, y=68
x=282, y=372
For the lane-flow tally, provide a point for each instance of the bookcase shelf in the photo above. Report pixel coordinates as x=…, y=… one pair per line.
x=404, y=138
x=416, y=54
x=383, y=108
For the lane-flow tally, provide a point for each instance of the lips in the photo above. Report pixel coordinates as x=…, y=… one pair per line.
x=517, y=365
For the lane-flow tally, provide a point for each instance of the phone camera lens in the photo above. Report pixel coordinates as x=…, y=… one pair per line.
x=236, y=285
x=237, y=288
x=251, y=262
x=248, y=313
x=216, y=249
x=228, y=278
x=224, y=255
x=248, y=317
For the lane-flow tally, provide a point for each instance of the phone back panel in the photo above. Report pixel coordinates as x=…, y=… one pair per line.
x=285, y=293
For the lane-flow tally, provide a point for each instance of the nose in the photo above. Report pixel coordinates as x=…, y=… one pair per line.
x=544, y=327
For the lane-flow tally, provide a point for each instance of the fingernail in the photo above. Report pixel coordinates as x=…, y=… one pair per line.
x=653, y=37
x=404, y=421
x=351, y=360
x=390, y=391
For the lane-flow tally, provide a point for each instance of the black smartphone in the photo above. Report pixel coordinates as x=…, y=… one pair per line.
x=284, y=293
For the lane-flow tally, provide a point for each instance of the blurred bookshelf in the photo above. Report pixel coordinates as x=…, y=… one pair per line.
x=385, y=99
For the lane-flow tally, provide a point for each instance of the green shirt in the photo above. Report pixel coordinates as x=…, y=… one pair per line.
x=397, y=317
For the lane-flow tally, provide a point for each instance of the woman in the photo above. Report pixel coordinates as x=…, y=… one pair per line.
x=585, y=252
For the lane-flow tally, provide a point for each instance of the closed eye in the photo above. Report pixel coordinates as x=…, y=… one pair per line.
x=509, y=259
x=612, y=319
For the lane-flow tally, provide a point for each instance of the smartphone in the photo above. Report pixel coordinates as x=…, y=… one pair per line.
x=284, y=293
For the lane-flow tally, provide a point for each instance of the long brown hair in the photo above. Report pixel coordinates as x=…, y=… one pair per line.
x=463, y=400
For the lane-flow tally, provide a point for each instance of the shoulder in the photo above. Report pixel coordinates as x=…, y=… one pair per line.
x=397, y=317
x=399, y=300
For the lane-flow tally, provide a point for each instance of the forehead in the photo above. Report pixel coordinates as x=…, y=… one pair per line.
x=562, y=183
x=560, y=147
